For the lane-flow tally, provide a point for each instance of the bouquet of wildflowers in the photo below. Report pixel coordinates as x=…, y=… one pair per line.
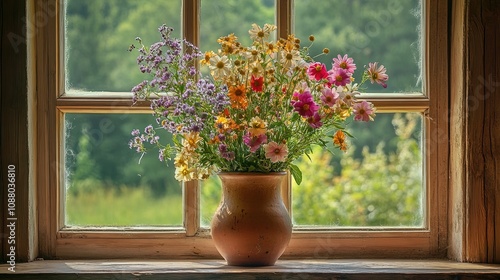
x=261, y=108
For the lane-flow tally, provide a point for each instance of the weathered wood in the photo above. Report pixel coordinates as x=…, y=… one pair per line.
x=14, y=130
x=213, y=269
x=475, y=147
x=491, y=137
x=456, y=210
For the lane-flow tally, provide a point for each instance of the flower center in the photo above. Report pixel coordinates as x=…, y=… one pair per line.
x=289, y=56
x=375, y=76
x=339, y=78
x=277, y=151
x=261, y=34
x=306, y=107
x=318, y=68
x=343, y=65
x=238, y=92
x=220, y=64
x=362, y=111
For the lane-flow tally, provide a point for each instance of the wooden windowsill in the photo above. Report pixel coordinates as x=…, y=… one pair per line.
x=284, y=269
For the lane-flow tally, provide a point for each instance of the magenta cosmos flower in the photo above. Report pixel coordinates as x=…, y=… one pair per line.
x=315, y=121
x=345, y=63
x=377, y=74
x=363, y=111
x=254, y=142
x=276, y=152
x=317, y=71
x=305, y=105
x=338, y=77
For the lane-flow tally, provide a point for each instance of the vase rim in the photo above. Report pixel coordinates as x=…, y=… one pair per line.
x=251, y=173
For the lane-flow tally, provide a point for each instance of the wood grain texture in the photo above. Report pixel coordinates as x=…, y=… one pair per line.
x=215, y=269
x=456, y=210
x=14, y=129
x=475, y=157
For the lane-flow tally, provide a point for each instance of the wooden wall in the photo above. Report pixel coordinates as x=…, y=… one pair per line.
x=474, y=216
x=14, y=129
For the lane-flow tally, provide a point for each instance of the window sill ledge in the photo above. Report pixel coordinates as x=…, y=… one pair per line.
x=284, y=269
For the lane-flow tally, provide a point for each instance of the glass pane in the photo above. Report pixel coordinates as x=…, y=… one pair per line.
x=378, y=182
x=99, y=33
x=220, y=18
x=386, y=31
x=105, y=183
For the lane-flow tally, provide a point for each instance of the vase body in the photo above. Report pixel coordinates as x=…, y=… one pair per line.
x=251, y=226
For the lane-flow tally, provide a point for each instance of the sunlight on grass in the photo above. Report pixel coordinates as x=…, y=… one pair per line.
x=123, y=207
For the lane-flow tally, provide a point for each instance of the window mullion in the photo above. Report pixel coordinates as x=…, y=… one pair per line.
x=284, y=15
x=191, y=190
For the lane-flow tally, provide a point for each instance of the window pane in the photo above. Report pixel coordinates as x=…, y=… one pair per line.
x=99, y=33
x=106, y=185
x=387, y=31
x=220, y=18
x=378, y=182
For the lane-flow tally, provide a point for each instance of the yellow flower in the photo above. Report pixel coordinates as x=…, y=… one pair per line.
x=257, y=127
x=184, y=173
x=206, y=58
x=191, y=140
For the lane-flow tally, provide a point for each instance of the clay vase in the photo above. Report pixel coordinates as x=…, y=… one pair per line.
x=251, y=227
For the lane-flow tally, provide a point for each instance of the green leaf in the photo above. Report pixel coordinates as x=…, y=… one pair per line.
x=296, y=173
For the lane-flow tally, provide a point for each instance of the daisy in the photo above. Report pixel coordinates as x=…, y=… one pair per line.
x=276, y=152
x=364, y=111
x=258, y=33
x=377, y=74
x=290, y=59
x=345, y=63
x=219, y=66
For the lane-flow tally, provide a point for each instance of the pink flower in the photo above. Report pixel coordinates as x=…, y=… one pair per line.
x=338, y=77
x=377, y=74
x=254, y=142
x=345, y=63
x=315, y=121
x=364, y=111
x=305, y=105
x=276, y=152
x=329, y=96
x=317, y=71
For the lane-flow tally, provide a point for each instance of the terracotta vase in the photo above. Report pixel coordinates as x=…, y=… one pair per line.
x=251, y=227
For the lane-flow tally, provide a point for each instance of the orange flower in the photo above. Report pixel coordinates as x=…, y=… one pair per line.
x=339, y=140
x=238, y=96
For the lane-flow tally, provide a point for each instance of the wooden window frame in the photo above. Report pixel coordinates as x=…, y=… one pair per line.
x=194, y=242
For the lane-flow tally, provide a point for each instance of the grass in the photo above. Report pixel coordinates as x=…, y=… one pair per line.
x=123, y=207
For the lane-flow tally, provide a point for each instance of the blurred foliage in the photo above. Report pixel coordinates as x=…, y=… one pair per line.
x=377, y=190
x=365, y=182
